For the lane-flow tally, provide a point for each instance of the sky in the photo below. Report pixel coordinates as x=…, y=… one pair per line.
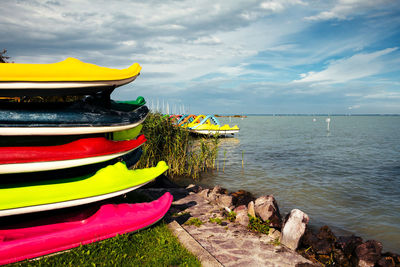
x=224, y=57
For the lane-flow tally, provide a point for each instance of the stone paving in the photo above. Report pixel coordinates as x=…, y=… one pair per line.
x=229, y=242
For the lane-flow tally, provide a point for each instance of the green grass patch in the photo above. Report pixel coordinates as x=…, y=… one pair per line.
x=184, y=154
x=257, y=225
x=194, y=221
x=276, y=242
x=215, y=220
x=155, y=246
x=231, y=216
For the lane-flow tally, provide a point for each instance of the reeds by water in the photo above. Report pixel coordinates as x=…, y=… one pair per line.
x=185, y=155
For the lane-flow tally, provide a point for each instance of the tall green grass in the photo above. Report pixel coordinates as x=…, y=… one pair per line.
x=184, y=154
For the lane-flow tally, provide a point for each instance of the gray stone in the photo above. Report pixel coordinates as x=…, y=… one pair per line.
x=267, y=209
x=194, y=188
x=250, y=209
x=242, y=197
x=241, y=215
x=294, y=228
x=368, y=253
x=224, y=201
x=274, y=234
x=204, y=193
x=215, y=193
x=212, y=197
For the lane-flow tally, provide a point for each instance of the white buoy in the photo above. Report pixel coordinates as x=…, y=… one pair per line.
x=328, y=121
x=314, y=120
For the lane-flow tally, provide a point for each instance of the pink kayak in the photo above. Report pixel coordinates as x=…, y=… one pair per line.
x=29, y=241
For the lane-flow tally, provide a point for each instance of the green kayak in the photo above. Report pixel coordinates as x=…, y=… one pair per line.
x=108, y=182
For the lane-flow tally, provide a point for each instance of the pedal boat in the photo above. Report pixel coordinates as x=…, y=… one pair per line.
x=209, y=125
x=68, y=77
x=111, y=181
x=65, y=231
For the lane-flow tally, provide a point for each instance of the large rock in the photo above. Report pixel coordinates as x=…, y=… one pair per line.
x=224, y=201
x=250, y=209
x=348, y=244
x=204, y=193
x=215, y=192
x=241, y=215
x=194, y=188
x=267, y=209
x=242, y=197
x=386, y=261
x=368, y=253
x=294, y=228
x=325, y=241
x=389, y=258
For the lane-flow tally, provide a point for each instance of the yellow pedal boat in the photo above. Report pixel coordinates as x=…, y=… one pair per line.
x=209, y=125
x=71, y=77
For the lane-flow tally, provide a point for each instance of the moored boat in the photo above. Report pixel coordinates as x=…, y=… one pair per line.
x=209, y=125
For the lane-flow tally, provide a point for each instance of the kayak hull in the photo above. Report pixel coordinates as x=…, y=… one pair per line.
x=81, y=152
x=20, y=89
x=130, y=159
x=69, y=119
x=68, y=77
x=28, y=241
x=106, y=183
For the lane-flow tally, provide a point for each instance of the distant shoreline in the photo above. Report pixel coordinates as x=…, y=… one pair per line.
x=229, y=116
x=309, y=115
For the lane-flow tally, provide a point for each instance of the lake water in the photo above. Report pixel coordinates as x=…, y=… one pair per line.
x=347, y=178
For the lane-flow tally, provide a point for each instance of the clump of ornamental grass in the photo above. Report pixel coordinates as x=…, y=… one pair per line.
x=185, y=155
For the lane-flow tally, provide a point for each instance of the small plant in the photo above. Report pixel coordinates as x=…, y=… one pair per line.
x=231, y=216
x=276, y=242
x=194, y=221
x=257, y=225
x=215, y=220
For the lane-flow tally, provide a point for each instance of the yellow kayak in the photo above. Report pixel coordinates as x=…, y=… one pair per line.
x=71, y=75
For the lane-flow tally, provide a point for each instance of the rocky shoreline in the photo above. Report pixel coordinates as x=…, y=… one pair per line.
x=261, y=216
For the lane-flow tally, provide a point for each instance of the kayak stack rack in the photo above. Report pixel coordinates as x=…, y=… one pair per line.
x=68, y=156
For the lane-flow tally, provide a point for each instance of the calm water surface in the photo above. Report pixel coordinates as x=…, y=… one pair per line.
x=347, y=178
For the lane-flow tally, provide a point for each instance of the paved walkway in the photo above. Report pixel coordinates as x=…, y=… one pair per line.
x=229, y=243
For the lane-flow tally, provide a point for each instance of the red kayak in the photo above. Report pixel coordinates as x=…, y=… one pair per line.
x=86, y=227
x=77, y=153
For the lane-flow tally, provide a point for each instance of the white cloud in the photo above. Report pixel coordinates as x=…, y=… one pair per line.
x=207, y=40
x=279, y=5
x=182, y=43
x=354, y=107
x=343, y=70
x=384, y=95
x=344, y=9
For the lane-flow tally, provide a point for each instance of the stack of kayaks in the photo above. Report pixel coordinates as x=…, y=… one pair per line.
x=56, y=155
x=205, y=125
